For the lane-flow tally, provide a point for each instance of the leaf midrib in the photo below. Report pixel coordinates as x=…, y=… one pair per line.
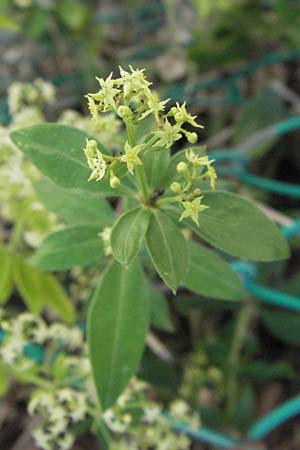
x=115, y=346
x=167, y=245
x=51, y=150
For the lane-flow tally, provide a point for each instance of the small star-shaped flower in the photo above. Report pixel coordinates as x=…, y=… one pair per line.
x=99, y=169
x=95, y=160
x=134, y=82
x=182, y=116
x=106, y=94
x=131, y=157
x=197, y=160
x=192, y=209
x=212, y=175
x=154, y=105
x=93, y=108
x=167, y=135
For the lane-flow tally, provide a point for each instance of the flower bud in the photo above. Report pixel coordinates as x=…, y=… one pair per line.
x=182, y=167
x=125, y=112
x=175, y=187
x=114, y=182
x=192, y=137
x=196, y=192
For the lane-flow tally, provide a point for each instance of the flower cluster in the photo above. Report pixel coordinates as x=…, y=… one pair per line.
x=28, y=329
x=59, y=411
x=132, y=100
x=17, y=174
x=27, y=341
x=129, y=96
x=21, y=95
x=65, y=393
x=198, y=168
x=139, y=423
x=203, y=382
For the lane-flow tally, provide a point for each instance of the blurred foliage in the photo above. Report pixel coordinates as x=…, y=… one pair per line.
x=220, y=36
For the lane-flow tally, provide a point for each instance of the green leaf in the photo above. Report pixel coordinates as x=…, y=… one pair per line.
x=236, y=226
x=57, y=151
x=118, y=322
x=168, y=249
x=78, y=245
x=156, y=164
x=128, y=234
x=283, y=325
x=160, y=314
x=39, y=289
x=66, y=204
x=6, y=275
x=209, y=275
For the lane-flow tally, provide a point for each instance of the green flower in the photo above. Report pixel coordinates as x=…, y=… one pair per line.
x=154, y=105
x=93, y=108
x=167, y=135
x=211, y=174
x=131, y=157
x=192, y=209
x=197, y=160
x=95, y=160
x=133, y=82
x=203, y=161
x=106, y=94
x=181, y=115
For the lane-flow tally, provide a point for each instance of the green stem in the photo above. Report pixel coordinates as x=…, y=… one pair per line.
x=104, y=434
x=244, y=320
x=130, y=134
x=166, y=200
x=140, y=171
x=149, y=144
x=101, y=427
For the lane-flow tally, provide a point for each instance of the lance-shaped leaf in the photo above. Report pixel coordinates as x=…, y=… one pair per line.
x=118, y=322
x=128, y=234
x=236, y=226
x=39, y=289
x=168, y=249
x=57, y=151
x=209, y=275
x=67, y=204
x=79, y=245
